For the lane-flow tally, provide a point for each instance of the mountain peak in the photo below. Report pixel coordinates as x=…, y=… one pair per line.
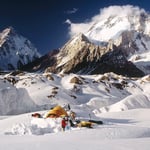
x=5, y=34
x=15, y=50
x=82, y=37
x=72, y=48
x=109, y=24
x=8, y=31
x=79, y=38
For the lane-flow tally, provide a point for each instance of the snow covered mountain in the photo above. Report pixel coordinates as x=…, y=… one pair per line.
x=129, y=30
x=80, y=55
x=121, y=39
x=15, y=50
x=111, y=24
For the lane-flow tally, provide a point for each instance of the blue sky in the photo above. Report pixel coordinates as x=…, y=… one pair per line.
x=43, y=21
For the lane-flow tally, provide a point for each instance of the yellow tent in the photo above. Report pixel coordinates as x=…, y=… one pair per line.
x=57, y=111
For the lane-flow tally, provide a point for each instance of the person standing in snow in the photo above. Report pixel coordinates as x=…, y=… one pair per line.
x=67, y=123
x=63, y=123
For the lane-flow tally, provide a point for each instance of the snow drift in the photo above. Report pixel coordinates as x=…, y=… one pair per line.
x=14, y=100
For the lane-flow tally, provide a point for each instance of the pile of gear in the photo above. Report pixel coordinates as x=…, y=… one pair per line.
x=68, y=117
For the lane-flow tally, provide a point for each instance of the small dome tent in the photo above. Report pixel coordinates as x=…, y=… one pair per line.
x=56, y=112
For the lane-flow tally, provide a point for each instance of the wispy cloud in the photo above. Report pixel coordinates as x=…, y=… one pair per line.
x=68, y=21
x=75, y=28
x=74, y=10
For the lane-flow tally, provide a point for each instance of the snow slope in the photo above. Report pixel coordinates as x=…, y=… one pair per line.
x=14, y=100
x=95, y=93
x=122, y=103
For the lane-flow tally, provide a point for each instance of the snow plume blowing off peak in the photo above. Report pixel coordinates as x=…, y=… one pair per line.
x=121, y=11
x=105, y=14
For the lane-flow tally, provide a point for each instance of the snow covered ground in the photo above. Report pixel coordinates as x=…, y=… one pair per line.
x=123, y=104
x=121, y=130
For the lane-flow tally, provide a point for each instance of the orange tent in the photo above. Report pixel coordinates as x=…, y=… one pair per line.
x=57, y=111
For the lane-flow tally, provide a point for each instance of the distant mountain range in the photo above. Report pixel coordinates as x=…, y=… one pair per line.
x=119, y=44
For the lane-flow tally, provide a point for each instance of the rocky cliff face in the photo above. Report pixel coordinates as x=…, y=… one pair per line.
x=15, y=50
x=81, y=56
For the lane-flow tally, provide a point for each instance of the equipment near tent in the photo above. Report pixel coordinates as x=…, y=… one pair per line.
x=96, y=121
x=56, y=112
x=36, y=115
x=85, y=124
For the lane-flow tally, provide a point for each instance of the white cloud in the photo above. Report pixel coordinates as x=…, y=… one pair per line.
x=76, y=28
x=74, y=10
x=120, y=11
x=68, y=21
